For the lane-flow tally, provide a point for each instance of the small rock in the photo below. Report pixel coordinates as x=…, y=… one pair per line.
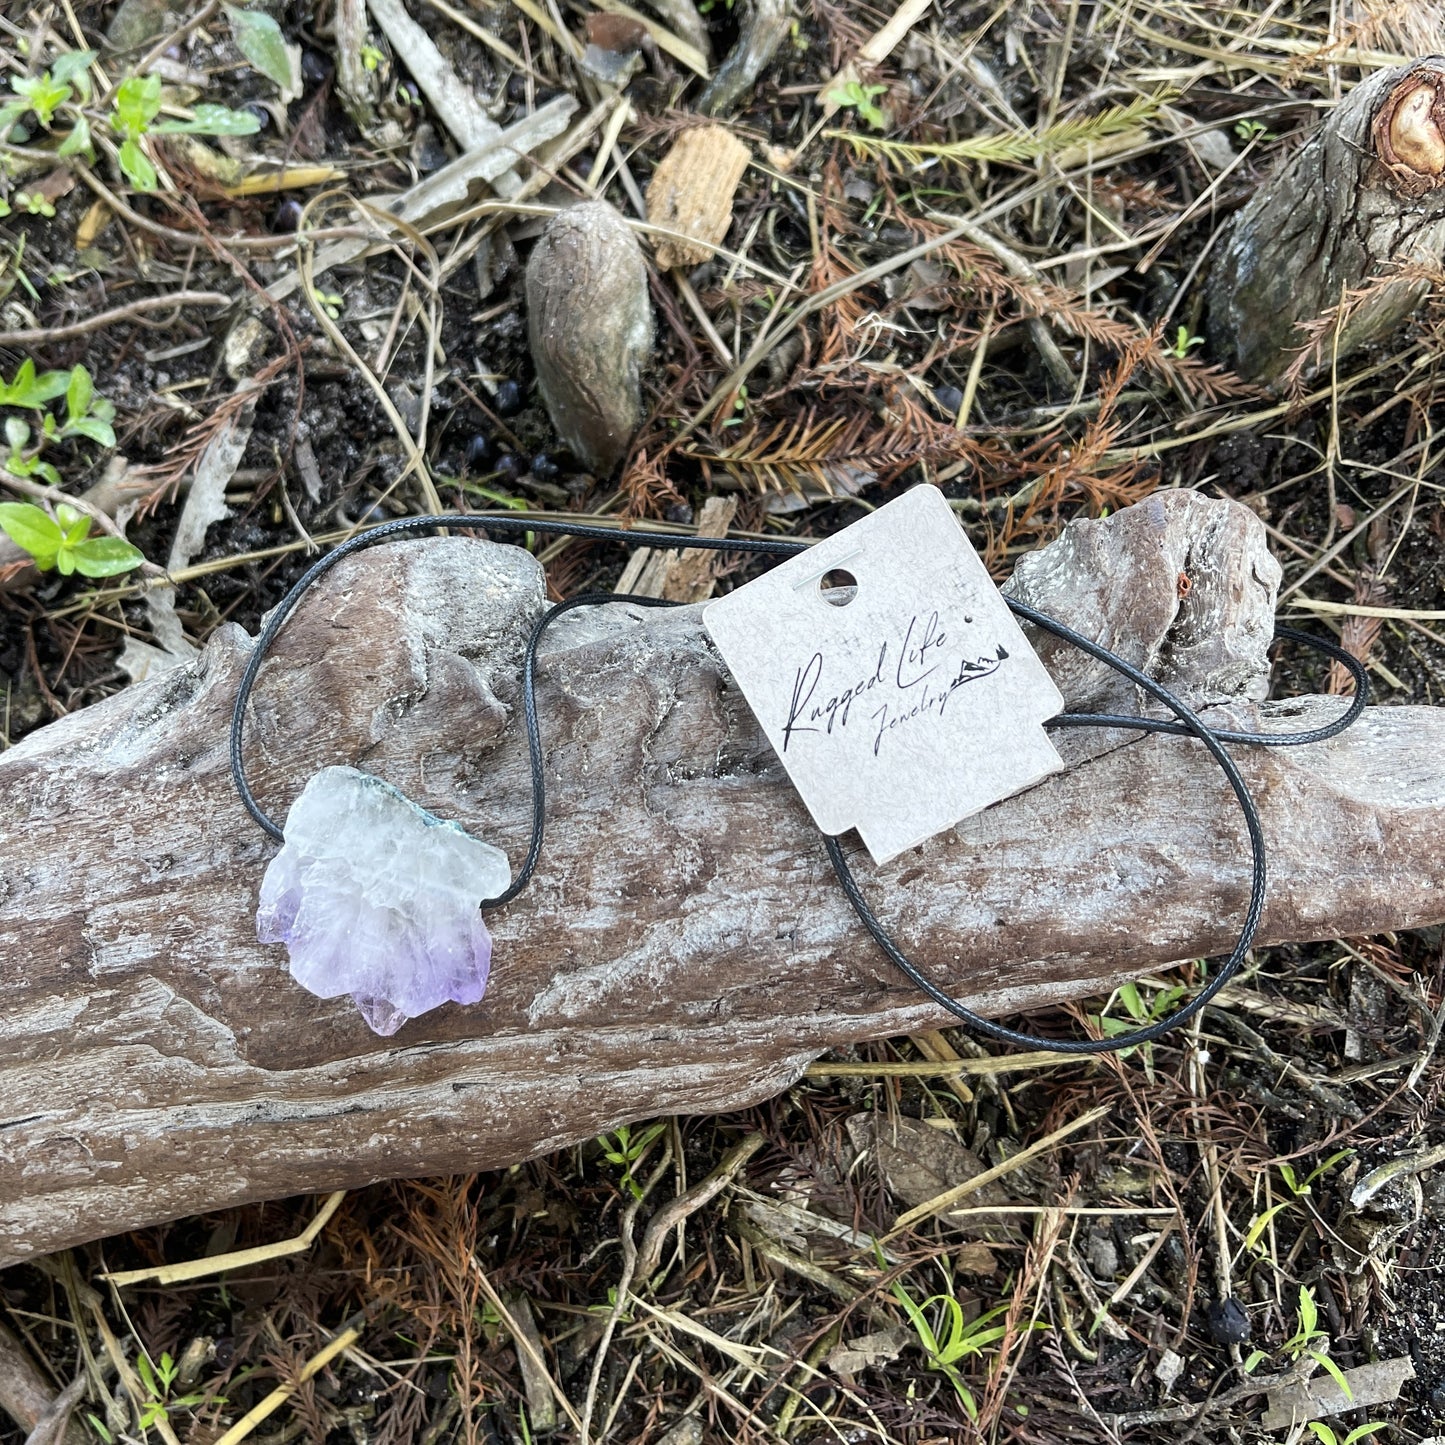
x=1213, y=148
x=138, y=22
x=243, y=346
x=949, y=399
x=1227, y=1322
x=1168, y=1370
x=1103, y=1257
x=685, y=1432
x=589, y=324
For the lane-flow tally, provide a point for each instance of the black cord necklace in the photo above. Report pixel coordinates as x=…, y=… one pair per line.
x=1188, y=725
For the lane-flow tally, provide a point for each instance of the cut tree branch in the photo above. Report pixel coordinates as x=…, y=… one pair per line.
x=1337, y=247
x=684, y=946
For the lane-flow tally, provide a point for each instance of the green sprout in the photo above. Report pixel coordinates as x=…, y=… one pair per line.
x=1246, y=130
x=625, y=1149
x=43, y=95
x=158, y=1379
x=331, y=302
x=63, y=92
x=1305, y=1344
x=1298, y=1189
x=858, y=97
x=1183, y=343
x=1327, y=1435
x=63, y=542
x=948, y=1338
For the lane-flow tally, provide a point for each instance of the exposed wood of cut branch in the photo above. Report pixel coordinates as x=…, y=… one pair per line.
x=683, y=947
x=1319, y=240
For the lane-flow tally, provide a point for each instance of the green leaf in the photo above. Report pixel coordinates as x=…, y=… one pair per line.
x=78, y=141
x=30, y=390
x=1129, y=997
x=1332, y=1370
x=1361, y=1432
x=1253, y=1360
x=17, y=433
x=32, y=530
x=75, y=525
x=1323, y=1433
x=72, y=66
x=137, y=166
x=106, y=557
x=78, y=392
x=92, y=427
x=9, y=116
x=1260, y=1223
x=137, y=103
x=43, y=95
x=259, y=39
x=1328, y=1164
x=211, y=120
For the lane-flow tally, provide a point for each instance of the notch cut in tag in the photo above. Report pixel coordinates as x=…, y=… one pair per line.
x=892, y=680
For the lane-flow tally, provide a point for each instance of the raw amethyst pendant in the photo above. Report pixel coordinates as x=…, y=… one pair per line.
x=375, y=897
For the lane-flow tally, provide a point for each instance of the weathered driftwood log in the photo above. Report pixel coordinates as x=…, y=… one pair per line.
x=1362, y=198
x=684, y=946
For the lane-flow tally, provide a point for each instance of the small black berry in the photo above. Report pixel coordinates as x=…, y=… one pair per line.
x=315, y=68
x=1227, y=1322
x=949, y=399
x=287, y=215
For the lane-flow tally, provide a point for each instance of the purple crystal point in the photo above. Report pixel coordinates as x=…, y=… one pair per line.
x=375, y=897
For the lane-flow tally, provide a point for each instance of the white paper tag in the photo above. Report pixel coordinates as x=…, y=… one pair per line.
x=904, y=705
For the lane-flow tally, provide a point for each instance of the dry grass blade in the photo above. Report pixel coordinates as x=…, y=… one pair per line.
x=949, y=1197
x=168, y=1274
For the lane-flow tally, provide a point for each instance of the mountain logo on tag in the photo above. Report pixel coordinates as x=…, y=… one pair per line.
x=890, y=676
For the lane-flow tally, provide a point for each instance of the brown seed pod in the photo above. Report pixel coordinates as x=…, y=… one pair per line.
x=1409, y=130
x=589, y=324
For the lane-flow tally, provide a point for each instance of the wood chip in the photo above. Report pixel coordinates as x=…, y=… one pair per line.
x=692, y=191
x=1377, y=1383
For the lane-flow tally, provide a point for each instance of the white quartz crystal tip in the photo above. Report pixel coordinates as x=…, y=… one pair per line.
x=375, y=897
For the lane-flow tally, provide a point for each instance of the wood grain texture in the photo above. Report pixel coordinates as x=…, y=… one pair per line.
x=1336, y=217
x=683, y=947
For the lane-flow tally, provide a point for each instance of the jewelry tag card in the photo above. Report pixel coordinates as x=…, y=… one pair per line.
x=890, y=676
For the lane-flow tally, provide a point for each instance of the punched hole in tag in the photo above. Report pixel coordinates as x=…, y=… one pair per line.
x=838, y=587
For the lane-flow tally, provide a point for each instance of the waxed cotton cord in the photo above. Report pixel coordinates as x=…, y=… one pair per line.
x=1188, y=725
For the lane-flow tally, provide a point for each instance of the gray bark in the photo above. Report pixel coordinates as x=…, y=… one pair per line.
x=683, y=947
x=1361, y=198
